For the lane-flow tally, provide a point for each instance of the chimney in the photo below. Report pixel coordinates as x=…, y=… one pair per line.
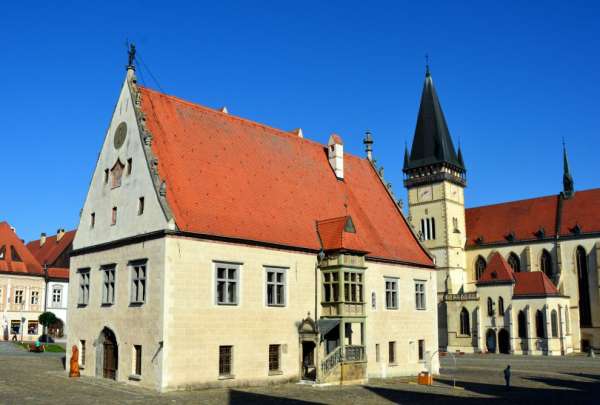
x=42, y=239
x=335, y=151
x=298, y=132
x=59, y=234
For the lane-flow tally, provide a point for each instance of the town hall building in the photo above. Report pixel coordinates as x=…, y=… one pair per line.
x=518, y=277
x=216, y=251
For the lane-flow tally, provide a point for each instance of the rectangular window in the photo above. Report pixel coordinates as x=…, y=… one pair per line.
x=35, y=297
x=138, y=282
x=137, y=358
x=225, y=360
x=421, y=350
x=105, y=176
x=82, y=357
x=15, y=327
x=353, y=288
x=227, y=283
x=141, y=206
x=129, y=166
x=113, y=220
x=274, y=357
x=108, y=284
x=32, y=327
x=56, y=296
x=84, y=286
x=392, y=352
x=377, y=355
x=420, y=294
x=276, y=281
x=18, y=296
x=92, y=219
x=331, y=287
x=391, y=293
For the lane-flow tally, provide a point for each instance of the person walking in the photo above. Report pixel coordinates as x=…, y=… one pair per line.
x=507, y=377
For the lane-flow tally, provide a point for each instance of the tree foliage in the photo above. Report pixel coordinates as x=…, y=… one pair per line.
x=47, y=318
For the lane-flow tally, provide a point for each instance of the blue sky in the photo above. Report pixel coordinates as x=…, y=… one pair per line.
x=513, y=78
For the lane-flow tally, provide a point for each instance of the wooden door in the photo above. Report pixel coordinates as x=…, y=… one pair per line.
x=110, y=360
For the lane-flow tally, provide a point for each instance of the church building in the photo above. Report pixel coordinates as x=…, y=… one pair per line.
x=216, y=251
x=517, y=277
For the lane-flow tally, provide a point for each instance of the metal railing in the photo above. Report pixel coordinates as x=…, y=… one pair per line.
x=332, y=360
x=354, y=353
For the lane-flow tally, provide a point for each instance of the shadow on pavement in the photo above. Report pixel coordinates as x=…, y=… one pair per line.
x=241, y=397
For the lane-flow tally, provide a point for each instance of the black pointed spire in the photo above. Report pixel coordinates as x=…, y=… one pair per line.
x=432, y=144
x=406, y=157
x=568, y=183
x=460, y=157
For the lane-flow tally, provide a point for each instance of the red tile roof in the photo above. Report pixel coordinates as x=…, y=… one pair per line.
x=340, y=234
x=524, y=218
x=58, y=273
x=497, y=271
x=26, y=264
x=52, y=249
x=231, y=177
x=534, y=283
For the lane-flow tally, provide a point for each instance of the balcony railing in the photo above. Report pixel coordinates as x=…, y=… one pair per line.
x=354, y=353
x=461, y=297
x=343, y=309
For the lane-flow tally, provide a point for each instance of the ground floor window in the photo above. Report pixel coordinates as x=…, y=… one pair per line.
x=225, y=360
x=522, y=322
x=82, y=357
x=274, y=358
x=377, y=352
x=32, y=327
x=421, y=350
x=15, y=326
x=392, y=353
x=137, y=356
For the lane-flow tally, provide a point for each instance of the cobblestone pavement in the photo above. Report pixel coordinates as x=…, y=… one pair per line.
x=39, y=379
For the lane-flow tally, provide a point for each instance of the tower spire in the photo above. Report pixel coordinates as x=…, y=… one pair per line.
x=406, y=157
x=568, y=184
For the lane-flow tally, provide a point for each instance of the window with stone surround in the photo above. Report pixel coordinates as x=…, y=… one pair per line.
x=35, y=297
x=353, y=287
x=137, y=360
x=274, y=358
x=56, y=296
x=392, y=352
x=391, y=293
x=276, y=286
x=331, y=288
x=227, y=283
x=108, y=284
x=420, y=295
x=138, y=281
x=225, y=361
x=84, y=287
x=421, y=350
x=19, y=296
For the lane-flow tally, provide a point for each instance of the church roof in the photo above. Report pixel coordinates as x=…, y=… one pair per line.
x=51, y=250
x=230, y=177
x=14, y=255
x=533, y=284
x=497, y=271
x=534, y=218
x=432, y=143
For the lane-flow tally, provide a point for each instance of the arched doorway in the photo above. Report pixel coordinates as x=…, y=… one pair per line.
x=490, y=341
x=309, y=339
x=503, y=341
x=108, y=358
x=56, y=329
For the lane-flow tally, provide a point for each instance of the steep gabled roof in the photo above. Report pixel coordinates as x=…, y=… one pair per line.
x=51, y=250
x=230, y=177
x=14, y=255
x=432, y=143
x=534, y=284
x=340, y=234
x=498, y=271
x=524, y=218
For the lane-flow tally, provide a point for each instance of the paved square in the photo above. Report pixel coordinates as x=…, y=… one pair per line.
x=39, y=378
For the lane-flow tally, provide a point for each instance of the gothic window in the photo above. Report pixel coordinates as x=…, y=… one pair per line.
x=585, y=314
x=522, y=325
x=554, y=323
x=479, y=267
x=514, y=262
x=490, y=307
x=428, y=228
x=539, y=324
x=117, y=173
x=500, y=306
x=546, y=263
x=465, y=327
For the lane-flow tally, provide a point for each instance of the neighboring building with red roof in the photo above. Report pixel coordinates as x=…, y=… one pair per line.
x=551, y=243
x=216, y=251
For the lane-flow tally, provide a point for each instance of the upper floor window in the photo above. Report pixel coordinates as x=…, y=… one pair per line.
x=331, y=288
x=35, y=297
x=353, y=287
x=490, y=307
x=420, y=294
x=56, y=296
x=275, y=286
x=117, y=174
x=480, y=266
x=546, y=263
x=227, y=280
x=391, y=293
x=138, y=282
x=514, y=262
x=108, y=284
x=465, y=325
x=84, y=286
x=428, y=228
x=19, y=296
x=500, y=306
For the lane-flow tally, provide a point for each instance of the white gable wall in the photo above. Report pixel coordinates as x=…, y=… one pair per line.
x=101, y=197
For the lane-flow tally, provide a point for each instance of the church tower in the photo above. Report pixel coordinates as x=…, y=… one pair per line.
x=435, y=179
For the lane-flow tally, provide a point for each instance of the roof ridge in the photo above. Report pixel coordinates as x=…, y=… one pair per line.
x=513, y=201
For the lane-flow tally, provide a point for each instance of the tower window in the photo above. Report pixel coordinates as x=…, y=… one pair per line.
x=546, y=264
x=114, y=216
x=141, y=206
x=428, y=228
x=129, y=166
x=514, y=262
x=92, y=220
x=480, y=266
x=106, y=176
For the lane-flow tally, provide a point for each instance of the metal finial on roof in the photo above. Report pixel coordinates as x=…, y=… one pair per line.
x=368, y=142
x=427, y=74
x=568, y=183
x=131, y=56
